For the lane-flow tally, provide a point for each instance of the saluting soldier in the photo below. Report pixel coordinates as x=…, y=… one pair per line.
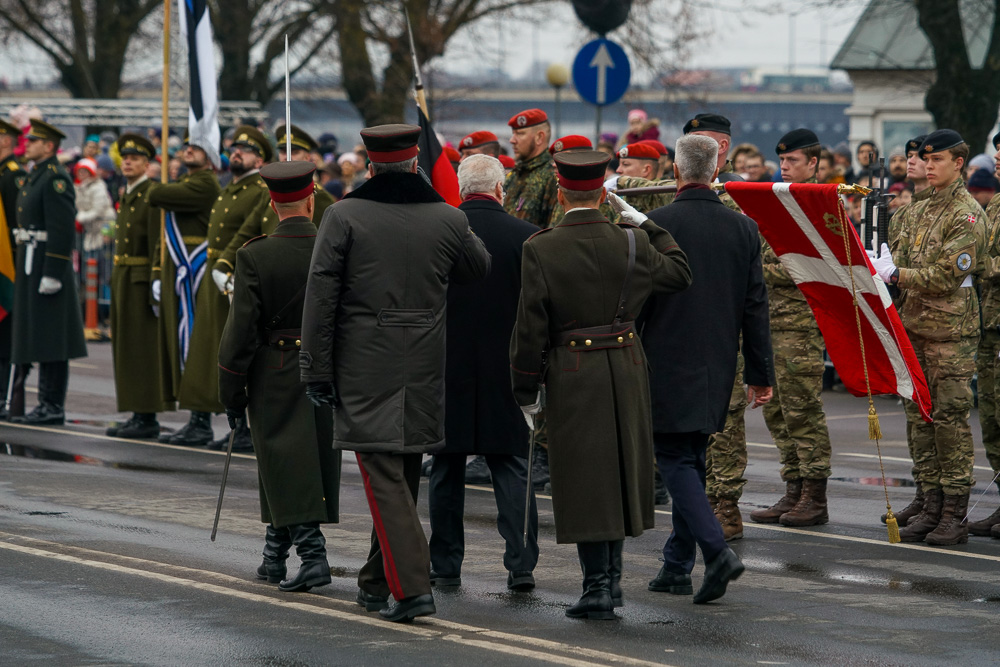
x=259, y=373
x=188, y=203
x=302, y=147
x=941, y=246
x=134, y=312
x=48, y=328
x=583, y=282
x=244, y=199
x=12, y=178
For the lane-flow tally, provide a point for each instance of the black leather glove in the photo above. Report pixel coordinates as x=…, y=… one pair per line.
x=235, y=414
x=322, y=393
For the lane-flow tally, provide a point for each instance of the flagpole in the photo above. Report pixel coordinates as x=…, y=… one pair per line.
x=419, y=87
x=165, y=125
x=288, y=107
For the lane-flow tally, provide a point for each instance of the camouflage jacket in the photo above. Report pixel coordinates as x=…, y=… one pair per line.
x=646, y=203
x=787, y=305
x=531, y=190
x=990, y=280
x=941, y=244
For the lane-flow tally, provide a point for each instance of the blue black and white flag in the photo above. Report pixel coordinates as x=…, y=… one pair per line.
x=203, y=113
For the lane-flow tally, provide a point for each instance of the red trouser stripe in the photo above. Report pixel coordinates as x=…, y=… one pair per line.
x=388, y=564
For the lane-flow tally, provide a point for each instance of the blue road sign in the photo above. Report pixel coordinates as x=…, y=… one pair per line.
x=601, y=72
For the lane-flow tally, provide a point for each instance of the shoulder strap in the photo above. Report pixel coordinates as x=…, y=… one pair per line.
x=628, y=275
x=296, y=300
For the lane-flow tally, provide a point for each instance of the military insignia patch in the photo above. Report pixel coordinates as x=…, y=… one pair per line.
x=623, y=151
x=558, y=145
x=964, y=261
x=59, y=185
x=20, y=181
x=467, y=141
x=522, y=121
x=971, y=218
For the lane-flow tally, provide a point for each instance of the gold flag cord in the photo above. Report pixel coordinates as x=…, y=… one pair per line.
x=874, y=429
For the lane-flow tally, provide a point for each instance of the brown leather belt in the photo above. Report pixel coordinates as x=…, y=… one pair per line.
x=285, y=339
x=598, y=338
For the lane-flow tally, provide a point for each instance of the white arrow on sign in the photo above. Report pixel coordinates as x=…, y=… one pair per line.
x=602, y=61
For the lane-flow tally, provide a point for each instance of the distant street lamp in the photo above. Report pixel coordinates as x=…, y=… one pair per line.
x=558, y=76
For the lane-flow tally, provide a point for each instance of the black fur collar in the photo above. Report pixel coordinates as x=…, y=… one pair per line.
x=396, y=188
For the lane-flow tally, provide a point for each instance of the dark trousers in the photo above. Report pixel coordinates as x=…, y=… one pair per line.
x=447, y=507
x=398, y=562
x=53, y=381
x=681, y=459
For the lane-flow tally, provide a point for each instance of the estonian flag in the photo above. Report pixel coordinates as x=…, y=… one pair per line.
x=436, y=164
x=203, y=114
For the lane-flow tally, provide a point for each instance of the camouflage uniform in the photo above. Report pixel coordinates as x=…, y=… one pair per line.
x=531, y=190
x=794, y=416
x=988, y=356
x=941, y=241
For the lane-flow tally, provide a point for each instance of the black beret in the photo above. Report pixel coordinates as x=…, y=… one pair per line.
x=708, y=122
x=133, y=144
x=914, y=143
x=299, y=138
x=581, y=170
x=289, y=181
x=939, y=140
x=247, y=135
x=7, y=128
x=391, y=143
x=796, y=139
x=996, y=139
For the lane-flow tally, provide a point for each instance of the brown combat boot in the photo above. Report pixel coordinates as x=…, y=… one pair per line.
x=921, y=525
x=793, y=490
x=811, y=508
x=913, y=509
x=952, y=528
x=728, y=513
x=984, y=527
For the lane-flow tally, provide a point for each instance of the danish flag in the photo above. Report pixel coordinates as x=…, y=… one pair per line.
x=805, y=226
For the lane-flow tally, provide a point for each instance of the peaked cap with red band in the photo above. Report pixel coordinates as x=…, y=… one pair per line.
x=289, y=181
x=581, y=170
x=571, y=142
x=477, y=139
x=660, y=148
x=391, y=143
x=528, y=118
x=639, y=152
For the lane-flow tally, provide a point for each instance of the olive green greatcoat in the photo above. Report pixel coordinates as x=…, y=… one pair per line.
x=47, y=327
x=299, y=471
x=12, y=177
x=598, y=408
x=240, y=201
x=190, y=199
x=134, y=326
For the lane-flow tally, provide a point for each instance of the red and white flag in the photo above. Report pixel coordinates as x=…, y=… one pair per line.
x=803, y=224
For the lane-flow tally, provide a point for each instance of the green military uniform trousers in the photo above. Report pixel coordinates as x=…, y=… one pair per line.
x=942, y=451
x=795, y=415
x=988, y=372
x=726, y=458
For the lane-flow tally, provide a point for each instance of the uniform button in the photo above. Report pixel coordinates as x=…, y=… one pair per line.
x=128, y=224
x=226, y=211
x=234, y=196
x=621, y=340
x=631, y=335
x=587, y=342
x=281, y=343
x=213, y=210
x=19, y=208
x=218, y=238
x=220, y=197
x=132, y=209
x=298, y=343
x=572, y=343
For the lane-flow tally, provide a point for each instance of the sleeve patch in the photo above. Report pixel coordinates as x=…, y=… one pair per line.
x=964, y=261
x=59, y=185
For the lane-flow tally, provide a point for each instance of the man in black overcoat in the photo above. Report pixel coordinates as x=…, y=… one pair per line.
x=481, y=415
x=691, y=340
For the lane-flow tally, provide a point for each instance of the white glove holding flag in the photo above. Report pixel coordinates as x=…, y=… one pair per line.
x=49, y=285
x=884, y=266
x=156, y=291
x=221, y=280
x=530, y=410
x=626, y=211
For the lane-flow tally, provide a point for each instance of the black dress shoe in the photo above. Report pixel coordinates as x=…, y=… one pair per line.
x=445, y=580
x=241, y=442
x=669, y=582
x=409, y=608
x=724, y=568
x=43, y=415
x=140, y=426
x=372, y=602
x=197, y=432
x=310, y=575
x=520, y=581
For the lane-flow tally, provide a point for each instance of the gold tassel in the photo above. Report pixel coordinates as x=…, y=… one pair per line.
x=874, y=429
x=893, y=526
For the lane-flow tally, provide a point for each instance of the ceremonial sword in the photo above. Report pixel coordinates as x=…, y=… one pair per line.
x=225, y=476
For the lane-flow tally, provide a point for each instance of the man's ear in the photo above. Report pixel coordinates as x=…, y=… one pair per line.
x=677, y=172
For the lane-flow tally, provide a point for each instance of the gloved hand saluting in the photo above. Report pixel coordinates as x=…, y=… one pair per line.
x=885, y=267
x=322, y=393
x=627, y=212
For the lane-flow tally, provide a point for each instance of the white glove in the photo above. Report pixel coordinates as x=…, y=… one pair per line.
x=49, y=285
x=884, y=266
x=156, y=310
x=221, y=280
x=156, y=291
x=230, y=284
x=530, y=410
x=627, y=212
x=612, y=183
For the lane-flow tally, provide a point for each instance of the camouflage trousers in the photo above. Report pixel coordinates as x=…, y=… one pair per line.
x=726, y=458
x=942, y=451
x=988, y=370
x=794, y=416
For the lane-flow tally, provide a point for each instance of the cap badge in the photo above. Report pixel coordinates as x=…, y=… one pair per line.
x=623, y=151
x=781, y=147
x=928, y=148
x=558, y=145
x=695, y=123
x=129, y=144
x=467, y=141
x=242, y=137
x=522, y=121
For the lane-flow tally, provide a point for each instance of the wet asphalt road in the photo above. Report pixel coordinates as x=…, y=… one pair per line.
x=105, y=559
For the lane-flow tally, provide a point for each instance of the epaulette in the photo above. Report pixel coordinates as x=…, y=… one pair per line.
x=12, y=165
x=256, y=238
x=540, y=231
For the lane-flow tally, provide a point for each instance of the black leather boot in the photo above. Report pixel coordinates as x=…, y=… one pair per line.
x=595, y=604
x=277, y=542
x=141, y=425
x=5, y=372
x=310, y=545
x=615, y=571
x=241, y=443
x=197, y=432
x=53, y=379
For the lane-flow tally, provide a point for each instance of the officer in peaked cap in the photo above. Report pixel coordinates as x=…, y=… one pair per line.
x=247, y=136
x=45, y=285
x=600, y=433
x=481, y=141
x=303, y=147
x=12, y=177
x=258, y=374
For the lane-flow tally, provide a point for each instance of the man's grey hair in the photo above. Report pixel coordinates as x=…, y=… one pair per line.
x=404, y=167
x=696, y=158
x=479, y=173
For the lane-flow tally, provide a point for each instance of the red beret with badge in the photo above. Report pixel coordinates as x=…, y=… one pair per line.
x=571, y=142
x=660, y=148
x=639, y=151
x=528, y=118
x=477, y=139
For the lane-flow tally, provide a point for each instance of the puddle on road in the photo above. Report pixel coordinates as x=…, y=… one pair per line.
x=27, y=452
x=875, y=481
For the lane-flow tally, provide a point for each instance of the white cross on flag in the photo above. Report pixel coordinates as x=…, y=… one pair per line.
x=805, y=226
